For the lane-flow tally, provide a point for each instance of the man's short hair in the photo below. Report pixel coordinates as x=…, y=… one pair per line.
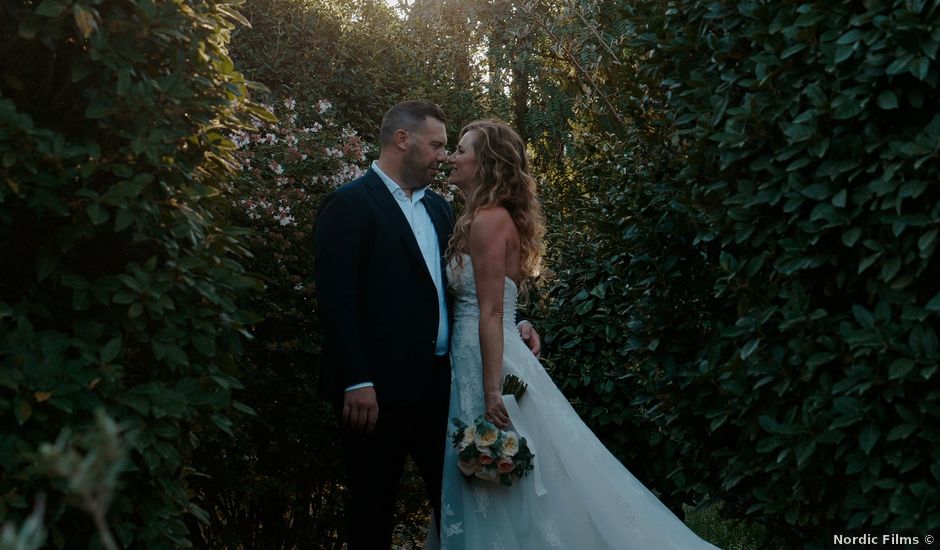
x=408, y=116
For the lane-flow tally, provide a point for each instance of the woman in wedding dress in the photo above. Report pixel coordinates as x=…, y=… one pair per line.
x=578, y=496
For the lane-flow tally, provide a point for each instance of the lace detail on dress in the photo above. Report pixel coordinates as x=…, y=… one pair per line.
x=450, y=529
x=465, y=341
x=552, y=533
x=482, y=499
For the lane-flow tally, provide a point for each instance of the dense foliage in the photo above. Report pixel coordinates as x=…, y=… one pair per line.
x=121, y=289
x=812, y=163
x=764, y=286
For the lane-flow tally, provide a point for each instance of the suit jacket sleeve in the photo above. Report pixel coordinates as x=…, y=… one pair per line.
x=338, y=243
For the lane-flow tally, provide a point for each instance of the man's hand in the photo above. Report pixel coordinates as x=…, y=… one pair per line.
x=530, y=337
x=360, y=410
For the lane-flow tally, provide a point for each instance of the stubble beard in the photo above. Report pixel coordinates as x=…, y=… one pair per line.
x=416, y=171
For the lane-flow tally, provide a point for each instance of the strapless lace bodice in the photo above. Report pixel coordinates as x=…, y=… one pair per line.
x=465, y=335
x=466, y=305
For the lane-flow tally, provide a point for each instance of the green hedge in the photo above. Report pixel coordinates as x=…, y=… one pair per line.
x=767, y=292
x=121, y=289
x=813, y=135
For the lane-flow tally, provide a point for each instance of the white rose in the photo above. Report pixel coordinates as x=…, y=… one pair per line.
x=468, y=467
x=487, y=437
x=469, y=436
x=488, y=474
x=510, y=444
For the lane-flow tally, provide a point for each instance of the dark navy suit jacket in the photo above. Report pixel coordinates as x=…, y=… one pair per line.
x=377, y=303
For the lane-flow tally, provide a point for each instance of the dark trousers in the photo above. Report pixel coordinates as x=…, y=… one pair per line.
x=375, y=464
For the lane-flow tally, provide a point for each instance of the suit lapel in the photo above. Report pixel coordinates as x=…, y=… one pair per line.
x=386, y=202
x=441, y=220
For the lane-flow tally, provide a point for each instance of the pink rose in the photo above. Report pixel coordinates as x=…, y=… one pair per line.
x=486, y=456
x=505, y=465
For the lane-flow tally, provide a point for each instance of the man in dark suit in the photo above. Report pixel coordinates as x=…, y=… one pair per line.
x=379, y=246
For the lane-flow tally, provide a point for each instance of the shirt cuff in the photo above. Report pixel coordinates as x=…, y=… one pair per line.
x=362, y=385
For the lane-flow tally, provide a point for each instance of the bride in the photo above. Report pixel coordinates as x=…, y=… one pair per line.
x=579, y=496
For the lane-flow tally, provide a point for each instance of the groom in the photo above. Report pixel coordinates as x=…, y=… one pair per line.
x=379, y=246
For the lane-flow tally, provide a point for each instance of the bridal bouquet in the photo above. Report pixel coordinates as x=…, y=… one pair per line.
x=486, y=452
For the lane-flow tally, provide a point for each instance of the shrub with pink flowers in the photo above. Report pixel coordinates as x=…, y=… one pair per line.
x=286, y=168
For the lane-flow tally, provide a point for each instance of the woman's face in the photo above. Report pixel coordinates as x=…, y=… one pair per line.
x=464, y=164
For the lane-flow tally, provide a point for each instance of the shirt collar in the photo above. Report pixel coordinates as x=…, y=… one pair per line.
x=396, y=189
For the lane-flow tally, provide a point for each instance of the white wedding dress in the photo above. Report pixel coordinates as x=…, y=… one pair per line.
x=578, y=497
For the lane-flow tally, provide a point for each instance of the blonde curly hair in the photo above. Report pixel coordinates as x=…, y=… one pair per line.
x=503, y=173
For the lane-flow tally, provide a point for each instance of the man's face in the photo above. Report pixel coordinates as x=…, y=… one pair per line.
x=425, y=153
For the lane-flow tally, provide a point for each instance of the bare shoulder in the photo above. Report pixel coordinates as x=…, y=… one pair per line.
x=491, y=220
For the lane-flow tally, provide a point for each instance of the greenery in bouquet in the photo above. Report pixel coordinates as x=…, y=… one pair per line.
x=486, y=452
